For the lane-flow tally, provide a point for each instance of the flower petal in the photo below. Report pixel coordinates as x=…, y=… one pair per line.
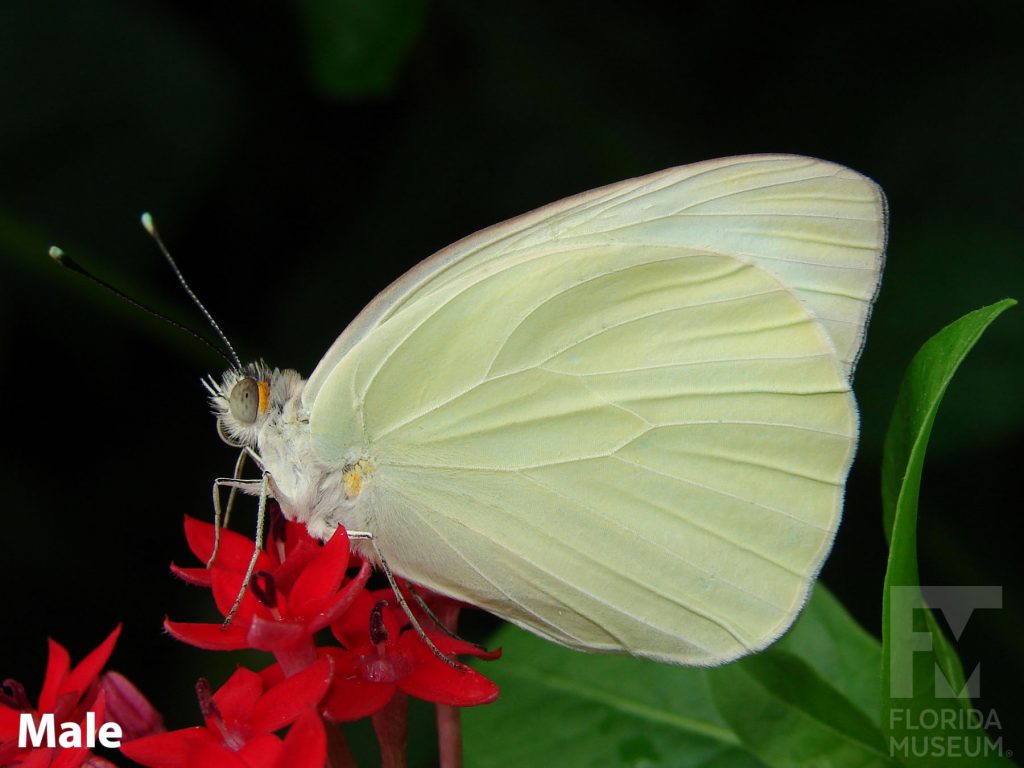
x=127, y=707
x=305, y=745
x=456, y=646
x=166, y=750
x=297, y=535
x=89, y=668
x=272, y=675
x=226, y=585
x=95, y=761
x=299, y=556
x=271, y=635
x=212, y=637
x=441, y=684
x=200, y=577
x=350, y=700
x=434, y=680
x=200, y=536
x=237, y=698
x=37, y=758
x=322, y=577
x=69, y=758
x=57, y=665
x=264, y=750
x=286, y=701
x=350, y=697
x=213, y=754
x=10, y=719
x=352, y=629
x=234, y=550
x=335, y=608
x=73, y=757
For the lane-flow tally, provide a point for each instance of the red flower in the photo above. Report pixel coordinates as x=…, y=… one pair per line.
x=69, y=694
x=127, y=707
x=298, y=588
x=241, y=718
x=285, y=540
x=295, y=592
x=384, y=655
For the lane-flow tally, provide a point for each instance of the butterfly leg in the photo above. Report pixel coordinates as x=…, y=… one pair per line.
x=433, y=616
x=218, y=522
x=261, y=515
x=234, y=484
x=390, y=576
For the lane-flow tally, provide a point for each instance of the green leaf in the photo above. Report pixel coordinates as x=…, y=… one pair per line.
x=562, y=707
x=813, y=697
x=923, y=387
x=831, y=642
x=355, y=47
x=790, y=716
x=911, y=654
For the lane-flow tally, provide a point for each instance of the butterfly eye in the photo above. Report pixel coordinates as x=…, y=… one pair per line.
x=244, y=402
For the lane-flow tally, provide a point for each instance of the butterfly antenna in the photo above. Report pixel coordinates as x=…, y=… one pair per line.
x=68, y=263
x=147, y=223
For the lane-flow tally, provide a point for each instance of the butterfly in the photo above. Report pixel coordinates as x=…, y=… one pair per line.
x=623, y=421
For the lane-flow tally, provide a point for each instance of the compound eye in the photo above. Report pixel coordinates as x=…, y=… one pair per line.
x=244, y=402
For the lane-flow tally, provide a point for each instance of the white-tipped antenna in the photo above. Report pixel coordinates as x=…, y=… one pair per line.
x=61, y=258
x=150, y=227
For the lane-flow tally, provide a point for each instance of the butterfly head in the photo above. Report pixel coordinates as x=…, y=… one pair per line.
x=243, y=401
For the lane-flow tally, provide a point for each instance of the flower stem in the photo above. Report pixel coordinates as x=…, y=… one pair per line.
x=391, y=726
x=449, y=736
x=338, y=753
x=449, y=725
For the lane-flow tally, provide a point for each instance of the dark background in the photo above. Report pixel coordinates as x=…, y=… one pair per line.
x=297, y=162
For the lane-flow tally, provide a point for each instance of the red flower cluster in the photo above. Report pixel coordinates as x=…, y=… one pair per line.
x=298, y=588
x=69, y=695
x=241, y=719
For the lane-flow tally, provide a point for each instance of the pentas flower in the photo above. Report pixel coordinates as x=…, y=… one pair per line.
x=296, y=591
x=69, y=694
x=384, y=655
x=298, y=587
x=241, y=720
x=285, y=541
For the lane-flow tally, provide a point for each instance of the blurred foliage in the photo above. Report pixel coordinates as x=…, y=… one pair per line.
x=95, y=113
x=290, y=201
x=356, y=48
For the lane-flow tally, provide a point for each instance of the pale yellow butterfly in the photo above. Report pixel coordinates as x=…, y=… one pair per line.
x=622, y=421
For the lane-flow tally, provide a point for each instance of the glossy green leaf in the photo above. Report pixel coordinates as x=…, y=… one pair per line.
x=922, y=390
x=356, y=48
x=912, y=654
x=832, y=643
x=560, y=707
x=571, y=709
x=790, y=716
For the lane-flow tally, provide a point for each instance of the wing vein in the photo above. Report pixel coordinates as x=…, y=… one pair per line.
x=721, y=492
x=622, y=610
